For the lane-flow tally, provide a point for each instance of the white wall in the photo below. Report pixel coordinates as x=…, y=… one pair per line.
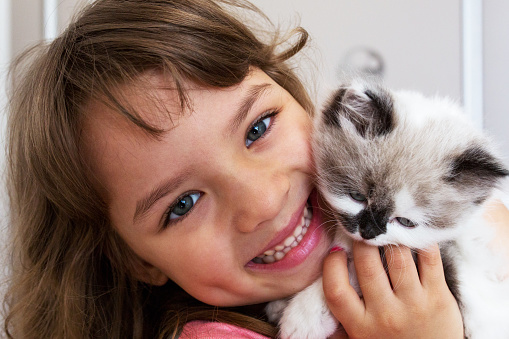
x=421, y=46
x=26, y=24
x=34, y=20
x=496, y=71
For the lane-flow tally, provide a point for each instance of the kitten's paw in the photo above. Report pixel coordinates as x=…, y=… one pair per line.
x=274, y=310
x=315, y=323
x=307, y=315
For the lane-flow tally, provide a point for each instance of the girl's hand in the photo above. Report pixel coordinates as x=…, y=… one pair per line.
x=417, y=305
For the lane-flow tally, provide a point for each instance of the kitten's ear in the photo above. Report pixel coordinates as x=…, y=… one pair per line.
x=476, y=168
x=368, y=107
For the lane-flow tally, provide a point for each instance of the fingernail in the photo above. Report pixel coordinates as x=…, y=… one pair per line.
x=336, y=249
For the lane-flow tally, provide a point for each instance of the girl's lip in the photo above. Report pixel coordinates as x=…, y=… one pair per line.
x=298, y=254
x=288, y=230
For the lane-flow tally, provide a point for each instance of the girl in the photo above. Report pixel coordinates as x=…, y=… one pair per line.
x=159, y=154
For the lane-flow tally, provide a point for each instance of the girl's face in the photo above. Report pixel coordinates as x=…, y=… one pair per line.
x=223, y=185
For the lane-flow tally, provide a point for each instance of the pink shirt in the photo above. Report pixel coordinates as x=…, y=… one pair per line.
x=215, y=330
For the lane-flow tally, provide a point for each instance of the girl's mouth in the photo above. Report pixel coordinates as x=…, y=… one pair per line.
x=280, y=250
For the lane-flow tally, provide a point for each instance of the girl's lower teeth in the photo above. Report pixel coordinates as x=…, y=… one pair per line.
x=279, y=252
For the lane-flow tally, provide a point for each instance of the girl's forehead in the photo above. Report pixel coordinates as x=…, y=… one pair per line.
x=151, y=96
x=154, y=98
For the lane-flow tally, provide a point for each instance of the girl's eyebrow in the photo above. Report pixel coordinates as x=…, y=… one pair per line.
x=145, y=204
x=253, y=94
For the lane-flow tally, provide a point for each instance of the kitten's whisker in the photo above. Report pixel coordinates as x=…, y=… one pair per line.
x=327, y=225
x=395, y=281
x=422, y=252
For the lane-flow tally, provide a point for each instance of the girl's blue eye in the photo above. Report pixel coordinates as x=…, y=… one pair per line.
x=257, y=130
x=182, y=206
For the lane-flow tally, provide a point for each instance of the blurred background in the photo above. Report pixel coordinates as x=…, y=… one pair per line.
x=455, y=48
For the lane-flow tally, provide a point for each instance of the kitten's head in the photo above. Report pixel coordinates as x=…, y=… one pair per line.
x=399, y=168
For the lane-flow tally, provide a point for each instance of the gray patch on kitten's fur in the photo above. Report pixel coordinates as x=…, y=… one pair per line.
x=371, y=115
x=370, y=149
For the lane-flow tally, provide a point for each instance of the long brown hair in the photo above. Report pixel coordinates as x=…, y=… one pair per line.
x=71, y=272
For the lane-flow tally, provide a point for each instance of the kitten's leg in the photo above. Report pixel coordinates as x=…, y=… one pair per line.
x=307, y=315
x=274, y=310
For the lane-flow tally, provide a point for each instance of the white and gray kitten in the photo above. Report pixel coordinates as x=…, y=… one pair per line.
x=399, y=168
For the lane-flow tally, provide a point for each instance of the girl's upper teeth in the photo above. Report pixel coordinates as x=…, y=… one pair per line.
x=292, y=241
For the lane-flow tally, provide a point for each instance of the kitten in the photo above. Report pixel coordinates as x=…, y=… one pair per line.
x=399, y=168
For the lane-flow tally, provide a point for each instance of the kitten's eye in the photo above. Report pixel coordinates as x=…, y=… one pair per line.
x=405, y=222
x=182, y=206
x=257, y=130
x=357, y=196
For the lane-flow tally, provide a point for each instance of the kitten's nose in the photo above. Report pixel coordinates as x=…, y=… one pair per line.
x=372, y=223
x=370, y=231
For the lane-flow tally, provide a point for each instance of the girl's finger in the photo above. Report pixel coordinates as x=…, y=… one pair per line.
x=373, y=280
x=402, y=269
x=431, y=270
x=342, y=299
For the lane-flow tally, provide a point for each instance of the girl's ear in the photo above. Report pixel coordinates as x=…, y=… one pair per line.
x=147, y=273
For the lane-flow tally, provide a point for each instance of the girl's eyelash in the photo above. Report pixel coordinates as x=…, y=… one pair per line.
x=269, y=114
x=167, y=222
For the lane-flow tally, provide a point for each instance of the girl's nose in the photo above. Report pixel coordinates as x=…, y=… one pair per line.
x=256, y=195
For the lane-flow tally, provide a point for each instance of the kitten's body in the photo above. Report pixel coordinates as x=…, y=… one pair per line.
x=398, y=168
